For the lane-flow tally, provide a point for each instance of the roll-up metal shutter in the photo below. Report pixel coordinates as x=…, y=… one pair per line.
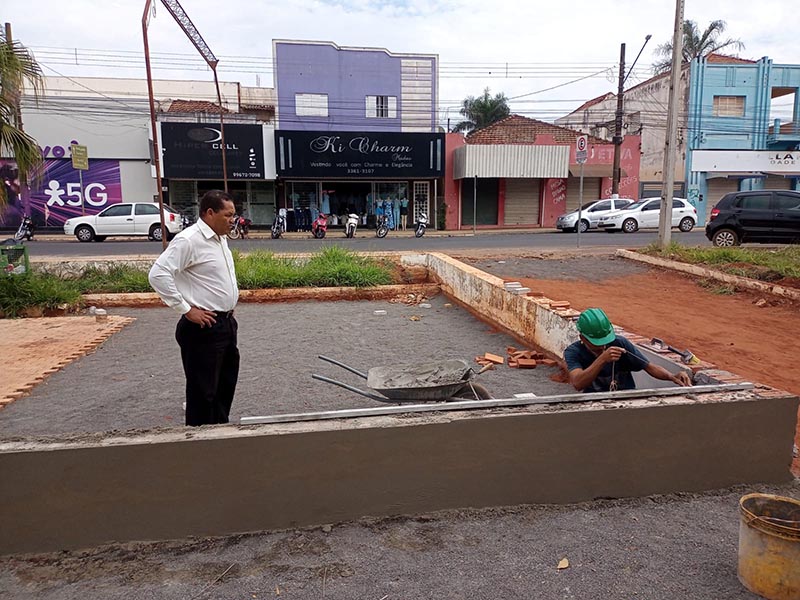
x=717, y=188
x=591, y=191
x=522, y=202
x=776, y=182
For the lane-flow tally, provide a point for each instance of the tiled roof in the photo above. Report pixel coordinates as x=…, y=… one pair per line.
x=718, y=58
x=194, y=106
x=516, y=129
x=594, y=101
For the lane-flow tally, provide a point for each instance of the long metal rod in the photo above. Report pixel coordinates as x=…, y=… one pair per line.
x=483, y=404
x=153, y=126
x=221, y=131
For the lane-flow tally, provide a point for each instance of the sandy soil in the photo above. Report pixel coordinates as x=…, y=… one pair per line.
x=135, y=380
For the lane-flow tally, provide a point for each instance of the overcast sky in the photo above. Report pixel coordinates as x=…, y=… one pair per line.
x=544, y=44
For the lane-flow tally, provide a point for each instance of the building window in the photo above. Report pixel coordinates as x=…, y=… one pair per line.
x=311, y=105
x=381, y=107
x=728, y=106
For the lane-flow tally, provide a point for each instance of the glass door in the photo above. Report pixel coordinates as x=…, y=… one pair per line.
x=422, y=190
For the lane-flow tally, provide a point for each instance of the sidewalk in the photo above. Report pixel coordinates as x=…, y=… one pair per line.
x=261, y=234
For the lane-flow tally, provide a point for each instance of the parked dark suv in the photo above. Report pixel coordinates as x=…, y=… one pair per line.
x=766, y=216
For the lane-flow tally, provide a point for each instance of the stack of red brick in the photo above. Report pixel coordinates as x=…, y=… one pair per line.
x=517, y=359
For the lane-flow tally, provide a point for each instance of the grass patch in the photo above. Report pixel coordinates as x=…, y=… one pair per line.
x=715, y=287
x=757, y=263
x=333, y=266
x=20, y=292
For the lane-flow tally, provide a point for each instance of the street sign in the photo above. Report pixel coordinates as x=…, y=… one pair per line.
x=80, y=157
x=581, y=145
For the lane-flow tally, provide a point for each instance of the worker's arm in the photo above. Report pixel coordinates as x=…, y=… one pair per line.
x=680, y=378
x=583, y=378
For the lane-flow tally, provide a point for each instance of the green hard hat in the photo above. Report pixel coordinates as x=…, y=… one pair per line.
x=595, y=327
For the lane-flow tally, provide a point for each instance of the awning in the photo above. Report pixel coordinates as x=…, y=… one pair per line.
x=595, y=171
x=735, y=175
x=787, y=174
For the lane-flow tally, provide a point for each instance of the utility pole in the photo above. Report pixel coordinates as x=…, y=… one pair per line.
x=618, y=123
x=671, y=143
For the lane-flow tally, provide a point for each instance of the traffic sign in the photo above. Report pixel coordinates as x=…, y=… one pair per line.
x=80, y=157
x=582, y=143
x=581, y=156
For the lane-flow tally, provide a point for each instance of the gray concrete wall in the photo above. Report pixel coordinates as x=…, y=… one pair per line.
x=224, y=480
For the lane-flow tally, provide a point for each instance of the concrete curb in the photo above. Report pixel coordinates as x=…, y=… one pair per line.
x=382, y=292
x=742, y=282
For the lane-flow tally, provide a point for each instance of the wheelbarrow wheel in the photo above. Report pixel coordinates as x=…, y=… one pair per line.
x=467, y=392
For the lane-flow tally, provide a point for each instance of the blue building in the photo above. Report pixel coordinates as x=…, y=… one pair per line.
x=743, y=130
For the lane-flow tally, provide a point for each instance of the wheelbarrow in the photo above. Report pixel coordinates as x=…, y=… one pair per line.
x=424, y=382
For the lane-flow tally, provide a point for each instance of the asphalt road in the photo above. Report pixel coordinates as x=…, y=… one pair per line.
x=367, y=242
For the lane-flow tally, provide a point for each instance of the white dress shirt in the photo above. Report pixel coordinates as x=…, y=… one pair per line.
x=196, y=270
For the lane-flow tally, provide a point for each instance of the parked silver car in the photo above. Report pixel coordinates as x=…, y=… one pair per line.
x=591, y=212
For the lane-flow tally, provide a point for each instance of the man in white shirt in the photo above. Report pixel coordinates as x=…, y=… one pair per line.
x=195, y=276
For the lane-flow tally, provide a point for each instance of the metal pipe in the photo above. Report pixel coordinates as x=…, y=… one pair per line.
x=153, y=126
x=344, y=366
x=221, y=131
x=483, y=404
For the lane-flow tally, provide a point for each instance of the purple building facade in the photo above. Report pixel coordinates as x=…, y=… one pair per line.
x=356, y=133
x=324, y=87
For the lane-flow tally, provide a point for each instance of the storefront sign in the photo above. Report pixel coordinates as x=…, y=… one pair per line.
x=343, y=154
x=194, y=151
x=780, y=161
x=57, y=195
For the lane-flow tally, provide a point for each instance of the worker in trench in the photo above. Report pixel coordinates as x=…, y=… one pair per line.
x=602, y=361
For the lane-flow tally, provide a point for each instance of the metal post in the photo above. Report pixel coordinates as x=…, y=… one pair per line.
x=221, y=132
x=83, y=197
x=435, y=204
x=474, y=204
x=670, y=149
x=580, y=208
x=615, y=175
x=153, y=126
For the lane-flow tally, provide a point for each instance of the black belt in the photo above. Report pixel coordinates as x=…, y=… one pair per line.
x=223, y=315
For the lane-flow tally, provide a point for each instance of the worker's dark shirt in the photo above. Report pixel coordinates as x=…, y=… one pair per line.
x=578, y=356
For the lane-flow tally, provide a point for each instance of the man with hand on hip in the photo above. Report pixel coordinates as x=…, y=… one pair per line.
x=195, y=276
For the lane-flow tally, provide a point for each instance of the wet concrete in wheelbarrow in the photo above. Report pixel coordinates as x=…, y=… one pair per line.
x=135, y=379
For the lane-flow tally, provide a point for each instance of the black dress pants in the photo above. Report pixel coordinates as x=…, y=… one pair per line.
x=211, y=365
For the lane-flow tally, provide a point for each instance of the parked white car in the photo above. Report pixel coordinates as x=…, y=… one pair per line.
x=130, y=218
x=591, y=213
x=645, y=214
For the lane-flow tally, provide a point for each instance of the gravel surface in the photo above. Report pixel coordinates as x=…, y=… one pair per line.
x=658, y=548
x=135, y=379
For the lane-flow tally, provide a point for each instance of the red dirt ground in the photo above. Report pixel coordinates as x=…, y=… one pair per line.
x=757, y=342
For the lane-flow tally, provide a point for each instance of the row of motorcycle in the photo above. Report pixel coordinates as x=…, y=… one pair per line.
x=319, y=227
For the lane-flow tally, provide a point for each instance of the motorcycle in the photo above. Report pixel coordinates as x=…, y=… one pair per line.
x=186, y=220
x=381, y=226
x=351, y=225
x=422, y=225
x=319, y=227
x=240, y=227
x=26, y=229
x=279, y=224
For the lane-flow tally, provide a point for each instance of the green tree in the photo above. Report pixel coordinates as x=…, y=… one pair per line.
x=696, y=43
x=18, y=68
x=482, y=111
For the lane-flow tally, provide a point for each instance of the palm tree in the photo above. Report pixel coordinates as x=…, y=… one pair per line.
x=482, y=111
x=17, y=68
x=696, y=44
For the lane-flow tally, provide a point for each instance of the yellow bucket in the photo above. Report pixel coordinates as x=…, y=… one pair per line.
x=769, y=546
